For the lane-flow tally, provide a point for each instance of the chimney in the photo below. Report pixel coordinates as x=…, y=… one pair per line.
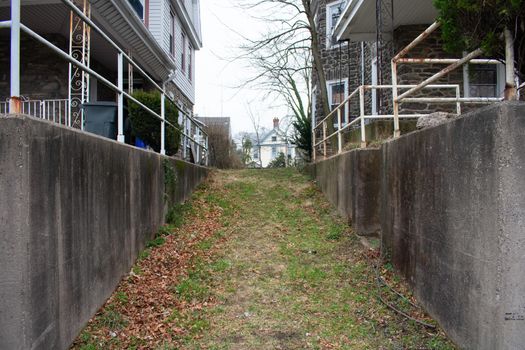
x=275, y=123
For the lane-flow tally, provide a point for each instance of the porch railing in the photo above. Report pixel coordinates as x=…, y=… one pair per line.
x=53, y=110
x=400, y=94
x=189, y=127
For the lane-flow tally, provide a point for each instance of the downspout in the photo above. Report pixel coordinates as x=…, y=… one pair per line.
x=510, y=78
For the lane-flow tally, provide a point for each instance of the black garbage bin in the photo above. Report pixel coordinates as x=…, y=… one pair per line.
x=101, y=118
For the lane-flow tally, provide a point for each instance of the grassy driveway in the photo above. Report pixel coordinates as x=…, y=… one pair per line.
x=261, y=261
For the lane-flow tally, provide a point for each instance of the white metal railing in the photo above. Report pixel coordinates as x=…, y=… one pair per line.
x=17, y=105
x=55, y=110
x=360, y=120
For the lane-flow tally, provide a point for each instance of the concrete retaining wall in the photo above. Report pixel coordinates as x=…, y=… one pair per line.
x=351, y=182
x=75, y=211
x=452, y=216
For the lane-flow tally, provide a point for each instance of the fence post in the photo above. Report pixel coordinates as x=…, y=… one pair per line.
x=339, y=135
x=163, y=123
x=14, y=101
x=207, y=151
x=395, y=102
x=324, y=138
x=120, y=108
x=458, y=96
x=184, y=141
x=314, y=129
x=362, y=113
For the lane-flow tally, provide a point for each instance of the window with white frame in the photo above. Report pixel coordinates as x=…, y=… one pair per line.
x=139, y=7
x=183, y=52
x=484, y=80
x=333, y=12
x=172, y=33
x=190, y=62
x=375, y=78
x=274, y=152
x=337, y=92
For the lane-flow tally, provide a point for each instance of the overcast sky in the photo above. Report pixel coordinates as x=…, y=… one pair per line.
x=217, y=79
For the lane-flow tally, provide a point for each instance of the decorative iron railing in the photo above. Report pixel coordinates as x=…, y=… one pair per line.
x=194, y=138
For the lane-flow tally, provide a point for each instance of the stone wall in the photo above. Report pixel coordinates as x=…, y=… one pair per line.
x=431, y=47
x=45, y=76
x=451, y=210
x=76, y=210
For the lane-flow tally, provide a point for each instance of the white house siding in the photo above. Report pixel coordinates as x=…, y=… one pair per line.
x=266, y=148
x=181, y=78
x=160, y=28
x=156, y=19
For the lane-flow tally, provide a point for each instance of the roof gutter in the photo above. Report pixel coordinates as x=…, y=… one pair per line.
x=127, y=12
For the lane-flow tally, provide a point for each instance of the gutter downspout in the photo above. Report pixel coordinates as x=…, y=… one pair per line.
x=510, y=77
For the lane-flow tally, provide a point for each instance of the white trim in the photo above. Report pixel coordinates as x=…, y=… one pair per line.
x=500, y=80
x=328, y=29
x=374, y=81
x=187, y=23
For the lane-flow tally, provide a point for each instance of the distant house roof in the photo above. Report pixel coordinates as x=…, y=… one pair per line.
x=221, y=122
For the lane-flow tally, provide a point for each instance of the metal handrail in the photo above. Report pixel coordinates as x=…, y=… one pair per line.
x=16, y=26
x=404, y=97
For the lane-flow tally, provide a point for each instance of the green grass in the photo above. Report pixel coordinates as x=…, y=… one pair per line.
x=283, y=271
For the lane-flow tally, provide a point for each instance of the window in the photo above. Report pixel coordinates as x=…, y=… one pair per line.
x=190, y=62
x=138, y=6
x=255, y=155
x=183, y=52
x=172, y=34
x=375, y=79
x=333, y=12
x=484, y=80
x=337, y=92
x=274, y=138
x=274, y=152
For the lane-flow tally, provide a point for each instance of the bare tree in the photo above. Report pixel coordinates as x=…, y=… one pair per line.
x=284, y=55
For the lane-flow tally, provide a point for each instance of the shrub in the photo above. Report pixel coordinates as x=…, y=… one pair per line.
x=147, y=127
x=469, y=24
x=279, y=162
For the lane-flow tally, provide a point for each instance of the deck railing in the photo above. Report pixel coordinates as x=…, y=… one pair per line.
x=56, y=110
x=400, y=94
x=189, y=127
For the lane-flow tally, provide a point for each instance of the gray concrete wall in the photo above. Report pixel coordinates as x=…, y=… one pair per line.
x=453, y=222
x=452, y=216
x=75, y=211
x=351, y=182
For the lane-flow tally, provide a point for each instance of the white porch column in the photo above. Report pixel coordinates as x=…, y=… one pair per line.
x=120, y=114
x=14, y=101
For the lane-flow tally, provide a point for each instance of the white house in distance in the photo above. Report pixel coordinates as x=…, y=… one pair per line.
x=271, y=145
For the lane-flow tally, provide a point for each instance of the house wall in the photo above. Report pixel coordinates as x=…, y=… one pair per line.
x=44, y=76
x=339, y=61
x=76, y=210
x=160, y=28
x=451, y=212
